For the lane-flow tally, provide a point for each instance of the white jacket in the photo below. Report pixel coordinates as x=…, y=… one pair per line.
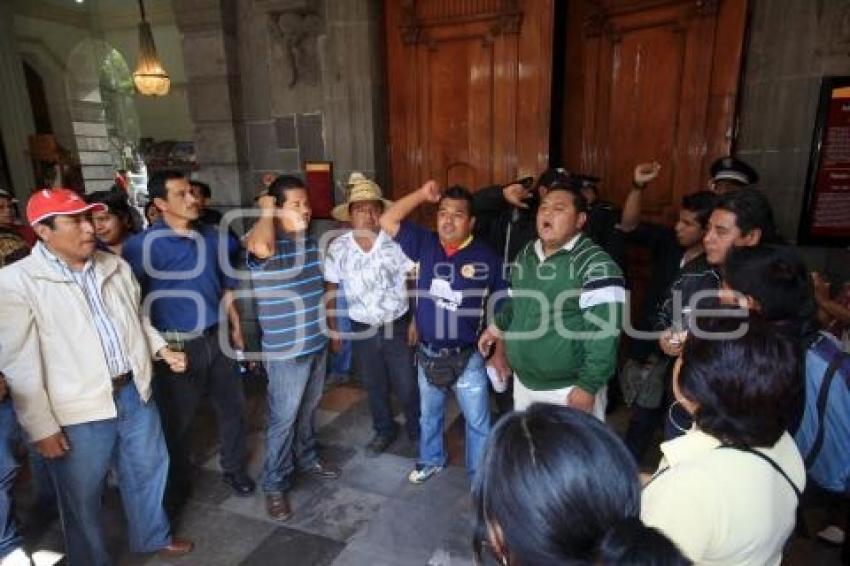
x=50, y=352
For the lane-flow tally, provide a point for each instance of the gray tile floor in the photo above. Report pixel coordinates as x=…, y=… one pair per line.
x=370, y=516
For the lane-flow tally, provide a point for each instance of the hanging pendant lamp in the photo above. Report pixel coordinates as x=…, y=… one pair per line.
x=150, y=78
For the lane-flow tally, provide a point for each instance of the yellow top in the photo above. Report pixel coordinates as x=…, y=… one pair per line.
x=724, y=506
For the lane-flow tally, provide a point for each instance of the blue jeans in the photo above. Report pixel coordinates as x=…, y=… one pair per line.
x=134, y=443
x=472, y=393
x=294, y=391
x=10, y=539
x=341, y=363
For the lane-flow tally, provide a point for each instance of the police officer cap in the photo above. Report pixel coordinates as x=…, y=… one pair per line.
x=582, y=181
x=730, y=169
x=552, y=176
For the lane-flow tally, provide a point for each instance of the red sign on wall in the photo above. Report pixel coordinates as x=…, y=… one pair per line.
x=826, y=213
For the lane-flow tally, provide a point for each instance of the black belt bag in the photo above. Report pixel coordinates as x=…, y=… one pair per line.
x=445, y=369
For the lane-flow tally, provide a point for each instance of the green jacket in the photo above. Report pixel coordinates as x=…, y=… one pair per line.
x=564, y=317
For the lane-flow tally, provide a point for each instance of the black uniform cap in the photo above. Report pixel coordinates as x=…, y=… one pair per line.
x=731, y=169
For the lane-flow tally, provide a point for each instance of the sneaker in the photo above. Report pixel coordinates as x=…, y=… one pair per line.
x=17, y=557
x=833, y=534
x=422, y=473
x=378, y=444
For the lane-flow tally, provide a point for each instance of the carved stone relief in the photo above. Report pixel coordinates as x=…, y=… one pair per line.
x=295, y=35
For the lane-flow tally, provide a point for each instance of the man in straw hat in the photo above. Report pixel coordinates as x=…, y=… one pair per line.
x=371, y=269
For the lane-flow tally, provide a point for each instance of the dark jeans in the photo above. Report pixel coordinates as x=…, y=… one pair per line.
x=383, y=360
x=642, y=426
x=179, y=395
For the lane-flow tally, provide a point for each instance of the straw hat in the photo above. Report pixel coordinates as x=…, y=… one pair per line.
x=360, y=189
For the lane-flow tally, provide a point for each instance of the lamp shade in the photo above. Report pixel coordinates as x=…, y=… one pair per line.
x=150, y=78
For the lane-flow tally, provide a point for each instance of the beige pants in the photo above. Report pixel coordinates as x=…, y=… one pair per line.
x=523, y=397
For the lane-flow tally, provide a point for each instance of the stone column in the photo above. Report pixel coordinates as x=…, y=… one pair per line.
x=354, y=89
x=16, y=121
x=213, y=89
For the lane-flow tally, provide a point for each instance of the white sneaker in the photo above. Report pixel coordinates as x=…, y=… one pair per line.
x=17, y=557
x=833, y=534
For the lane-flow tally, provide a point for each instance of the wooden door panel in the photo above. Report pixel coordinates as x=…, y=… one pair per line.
x=456, y=127
x=659, y=80
x=469, y=90
x=647, y=68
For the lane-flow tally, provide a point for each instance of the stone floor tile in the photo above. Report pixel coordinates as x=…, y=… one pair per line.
x=337, y=511
x=221, y=538
x=384, y=475
x=289, y=546
x=342, y=398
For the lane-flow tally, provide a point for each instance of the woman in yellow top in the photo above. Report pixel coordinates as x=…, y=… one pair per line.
x=727, y=491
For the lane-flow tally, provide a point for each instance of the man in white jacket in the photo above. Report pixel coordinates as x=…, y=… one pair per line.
x=76, y=351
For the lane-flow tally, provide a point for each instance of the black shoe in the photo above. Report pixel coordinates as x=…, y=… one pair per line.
x=378, y=444
x=323, y=470
x=240, y=482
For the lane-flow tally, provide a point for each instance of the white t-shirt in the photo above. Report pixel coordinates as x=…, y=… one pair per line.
x=373, y=282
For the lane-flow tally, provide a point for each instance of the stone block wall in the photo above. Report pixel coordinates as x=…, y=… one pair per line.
x=312, y=86
x=792, y=45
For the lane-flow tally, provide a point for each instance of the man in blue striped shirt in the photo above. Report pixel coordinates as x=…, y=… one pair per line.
x=289, y=293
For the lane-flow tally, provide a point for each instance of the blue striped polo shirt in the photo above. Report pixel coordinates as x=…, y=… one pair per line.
x=289, y=290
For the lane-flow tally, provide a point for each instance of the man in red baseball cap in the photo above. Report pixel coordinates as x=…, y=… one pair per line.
x=76, y=352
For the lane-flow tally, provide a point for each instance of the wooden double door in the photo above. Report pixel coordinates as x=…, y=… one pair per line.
x=471, y=97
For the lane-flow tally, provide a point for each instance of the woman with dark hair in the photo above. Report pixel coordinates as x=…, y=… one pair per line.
x=727, y=491
x=113, y=226
x=557, y=487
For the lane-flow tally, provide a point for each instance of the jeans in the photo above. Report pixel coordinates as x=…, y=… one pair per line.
x=383, y=362
x=341, y=362
x=294, y=391
x=178, y=396
x=472, y=392
x=10, y=539
x=133, y=443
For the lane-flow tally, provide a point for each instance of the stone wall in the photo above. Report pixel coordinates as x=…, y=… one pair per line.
x=312, y=86
x=214, y=95
x=792, y=44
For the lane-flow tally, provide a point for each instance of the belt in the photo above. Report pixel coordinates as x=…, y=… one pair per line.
x=403, y=319
x=179, y=336
x=442, y=352
x=120, y=381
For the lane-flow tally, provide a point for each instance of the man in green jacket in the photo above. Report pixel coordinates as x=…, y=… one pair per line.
x=561, y=325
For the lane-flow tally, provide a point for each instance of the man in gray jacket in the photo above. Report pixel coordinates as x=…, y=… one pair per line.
x=76, y=351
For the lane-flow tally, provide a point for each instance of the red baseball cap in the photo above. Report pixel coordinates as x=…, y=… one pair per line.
x=53, y=202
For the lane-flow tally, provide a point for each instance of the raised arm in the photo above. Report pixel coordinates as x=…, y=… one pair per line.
x=260, y=240
x=392, y=217
x=644, y=173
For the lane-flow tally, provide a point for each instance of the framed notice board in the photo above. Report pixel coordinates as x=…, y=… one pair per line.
x=825, y=215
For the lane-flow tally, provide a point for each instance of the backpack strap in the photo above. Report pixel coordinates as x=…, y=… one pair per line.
x=770, y=461
x=823, y=395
